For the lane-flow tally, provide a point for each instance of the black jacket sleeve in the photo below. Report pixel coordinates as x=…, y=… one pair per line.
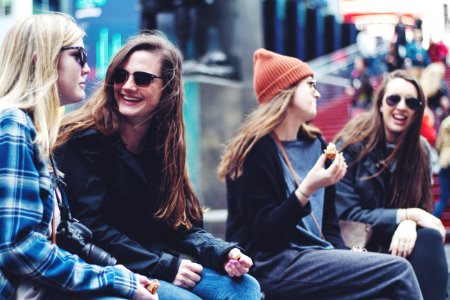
x=87, y=194
x=196, y=242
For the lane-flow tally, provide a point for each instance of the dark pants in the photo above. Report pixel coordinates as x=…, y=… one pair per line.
x=335, y=274
x=444, y=184
x=430, y=264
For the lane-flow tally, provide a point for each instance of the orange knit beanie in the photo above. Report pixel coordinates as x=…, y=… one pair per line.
x=274, y=72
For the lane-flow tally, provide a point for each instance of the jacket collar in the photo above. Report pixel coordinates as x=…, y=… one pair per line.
x=96, y=142
x=373, y=165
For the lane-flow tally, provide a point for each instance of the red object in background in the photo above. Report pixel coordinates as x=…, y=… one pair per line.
x=438, y=52
x=428, y=131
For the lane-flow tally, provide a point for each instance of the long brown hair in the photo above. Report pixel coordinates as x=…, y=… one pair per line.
x=101, y=112
x=409, y=153
x=260, y=122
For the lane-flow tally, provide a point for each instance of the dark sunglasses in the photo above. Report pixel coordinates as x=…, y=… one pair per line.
x=411, y=102
x=140, y=78
x=81, y=55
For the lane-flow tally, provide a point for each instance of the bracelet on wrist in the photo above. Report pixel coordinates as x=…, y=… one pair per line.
x=303, y=194
x=406, y=214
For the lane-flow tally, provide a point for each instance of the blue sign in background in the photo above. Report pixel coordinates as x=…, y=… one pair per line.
x=108, y=24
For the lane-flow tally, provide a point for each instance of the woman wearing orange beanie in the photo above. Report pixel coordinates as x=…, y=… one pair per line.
x=289, y=225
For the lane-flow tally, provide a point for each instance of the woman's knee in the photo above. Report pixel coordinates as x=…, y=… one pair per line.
x=214, y=285
x=244, y=287
x=429, y=236
x=170, y=291
x=248, y=288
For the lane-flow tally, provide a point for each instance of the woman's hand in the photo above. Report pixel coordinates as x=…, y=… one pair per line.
x=142, y=293
x=188, y=274
x=318, y=177
x=404, y=239
x=427, y=220
x=237, y=263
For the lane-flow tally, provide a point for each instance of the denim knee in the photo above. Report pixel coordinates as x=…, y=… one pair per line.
x=245, y=287
x=214, y=285
x=248, y=288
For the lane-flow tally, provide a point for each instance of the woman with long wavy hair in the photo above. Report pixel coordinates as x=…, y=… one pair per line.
x=280, y=193
x=44, y=66
x=388, y=183
x=124, y=153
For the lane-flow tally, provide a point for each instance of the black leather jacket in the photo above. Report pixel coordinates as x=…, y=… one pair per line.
x=366, y=200
x=116, y=198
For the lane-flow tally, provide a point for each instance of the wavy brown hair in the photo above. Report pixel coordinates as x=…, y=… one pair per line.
x=101, y=112
x=409, y=153
x=258, y=123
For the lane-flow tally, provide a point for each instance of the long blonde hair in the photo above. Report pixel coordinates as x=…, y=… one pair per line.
x=29, y=58
x=257, y=124
x=101, y=112
x=431, y=78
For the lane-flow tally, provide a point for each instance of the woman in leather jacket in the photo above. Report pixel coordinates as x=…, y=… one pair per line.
x=124, y=156
x=388, y=182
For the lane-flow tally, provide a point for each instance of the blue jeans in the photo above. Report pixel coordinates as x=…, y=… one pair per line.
x=444, y=183
x=213, y=286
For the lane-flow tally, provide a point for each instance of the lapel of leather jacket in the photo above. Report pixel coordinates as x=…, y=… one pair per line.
x=373, y=165
x=118, y=149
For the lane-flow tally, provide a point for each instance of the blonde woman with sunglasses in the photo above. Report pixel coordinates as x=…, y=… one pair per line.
x=388, y=182
x=44, y=67
x=124, y=153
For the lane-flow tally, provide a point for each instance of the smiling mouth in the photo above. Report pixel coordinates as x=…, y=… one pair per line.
x=131, y=99
x=399, y=117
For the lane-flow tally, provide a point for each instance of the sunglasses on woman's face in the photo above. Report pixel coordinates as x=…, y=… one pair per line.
x=411, y=102
x=141, y=79
x=81, y=55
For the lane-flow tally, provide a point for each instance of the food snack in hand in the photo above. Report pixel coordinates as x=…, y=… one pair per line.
x=153, y=286
x=237, y=257
x=330, y=151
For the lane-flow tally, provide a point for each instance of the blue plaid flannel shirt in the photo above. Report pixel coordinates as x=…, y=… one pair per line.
x=26, y=208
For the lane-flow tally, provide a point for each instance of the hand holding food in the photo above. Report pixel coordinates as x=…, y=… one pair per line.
x=153, y=286
x=237, y=263
x=330, y=151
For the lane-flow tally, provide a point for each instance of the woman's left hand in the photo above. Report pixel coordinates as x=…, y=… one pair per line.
x=404, y=239
x=237, y=263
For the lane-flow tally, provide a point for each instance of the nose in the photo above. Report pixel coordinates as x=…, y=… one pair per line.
x=317, y=94
x=86, y=69
x=402, y=104
x=129, y=83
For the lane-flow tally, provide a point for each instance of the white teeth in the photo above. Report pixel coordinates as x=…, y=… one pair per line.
x=398, y=117
x=131, y=99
